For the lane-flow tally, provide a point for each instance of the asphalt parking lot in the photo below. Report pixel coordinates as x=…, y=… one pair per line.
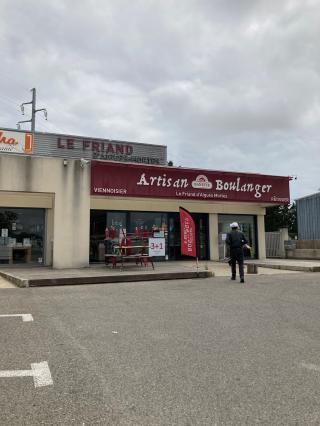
x=188, y=352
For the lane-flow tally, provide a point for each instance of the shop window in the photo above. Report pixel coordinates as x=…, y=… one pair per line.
x=22, y=235
x=106, y=229
x=247, y=224
x=146, y=223
x=117, y=224
x=116, y=229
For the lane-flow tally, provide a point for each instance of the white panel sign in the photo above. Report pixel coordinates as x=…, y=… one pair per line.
x=158, y=234
x=157, y=246
x=16, y=142
x=4, y=232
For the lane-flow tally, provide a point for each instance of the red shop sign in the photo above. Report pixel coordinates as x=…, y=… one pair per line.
x=131, y=180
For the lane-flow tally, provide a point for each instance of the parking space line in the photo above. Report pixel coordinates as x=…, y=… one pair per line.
x=39, y=371
x=25, y=317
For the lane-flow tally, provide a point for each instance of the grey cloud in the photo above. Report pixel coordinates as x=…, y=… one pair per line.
x=225, y=84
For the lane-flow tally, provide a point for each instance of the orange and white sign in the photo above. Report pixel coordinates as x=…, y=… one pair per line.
x=16, y=142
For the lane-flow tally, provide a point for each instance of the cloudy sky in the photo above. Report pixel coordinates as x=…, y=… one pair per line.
x=225, y=84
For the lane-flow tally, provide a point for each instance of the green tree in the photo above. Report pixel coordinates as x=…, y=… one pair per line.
x=282, y=216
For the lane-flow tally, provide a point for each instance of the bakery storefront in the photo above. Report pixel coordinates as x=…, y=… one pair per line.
x=64, y=203
x=144, y=201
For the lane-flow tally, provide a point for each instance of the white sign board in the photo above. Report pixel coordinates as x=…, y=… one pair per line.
x=158, y=234
x=4, y=232
x=16, y=142
x=157, y=246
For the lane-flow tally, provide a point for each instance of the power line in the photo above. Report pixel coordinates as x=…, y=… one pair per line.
x=8, y=102
x=50, y=129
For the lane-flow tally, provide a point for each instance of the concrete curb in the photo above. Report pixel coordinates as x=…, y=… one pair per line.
x=289, y=267
x=105, y=279
x=19, y=282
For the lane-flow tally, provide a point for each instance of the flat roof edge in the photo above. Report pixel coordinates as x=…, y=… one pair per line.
x=81, y=136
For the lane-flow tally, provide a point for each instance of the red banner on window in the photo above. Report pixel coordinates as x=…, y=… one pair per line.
x=188, y=234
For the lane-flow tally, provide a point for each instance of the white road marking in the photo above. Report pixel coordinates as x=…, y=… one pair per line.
x=114, y=332
x=39, y=371
x=310, y=366
x=25, y=317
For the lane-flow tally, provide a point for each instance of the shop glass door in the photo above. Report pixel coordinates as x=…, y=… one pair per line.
x=174, y=236
x=97, y=235
x=247, y=224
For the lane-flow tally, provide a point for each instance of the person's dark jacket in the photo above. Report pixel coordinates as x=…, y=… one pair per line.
x=236, y=240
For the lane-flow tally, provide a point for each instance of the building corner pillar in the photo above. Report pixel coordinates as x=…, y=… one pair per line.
x=213, y=236
x=261, y=237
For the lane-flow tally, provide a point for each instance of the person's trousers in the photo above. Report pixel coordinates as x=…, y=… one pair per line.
x=237, y=257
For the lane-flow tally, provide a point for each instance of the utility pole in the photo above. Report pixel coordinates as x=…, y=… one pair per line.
x=33, y=111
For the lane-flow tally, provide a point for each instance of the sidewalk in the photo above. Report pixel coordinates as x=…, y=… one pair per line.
x=289, y=264
x=95, y=274
x=44, y=276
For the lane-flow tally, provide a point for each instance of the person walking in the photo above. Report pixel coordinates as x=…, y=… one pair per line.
x=236, y=242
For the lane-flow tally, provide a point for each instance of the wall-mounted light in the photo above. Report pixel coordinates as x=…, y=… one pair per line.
x=83, y=162
x=65, y=162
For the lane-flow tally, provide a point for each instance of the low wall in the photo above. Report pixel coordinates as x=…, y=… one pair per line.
x=308, y=244
x=311, y=254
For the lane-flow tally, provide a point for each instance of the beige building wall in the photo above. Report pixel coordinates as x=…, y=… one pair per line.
x=62, y=188
x=213, y=236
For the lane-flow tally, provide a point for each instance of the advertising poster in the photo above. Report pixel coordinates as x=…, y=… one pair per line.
x=16, y=142
x=157, y=246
